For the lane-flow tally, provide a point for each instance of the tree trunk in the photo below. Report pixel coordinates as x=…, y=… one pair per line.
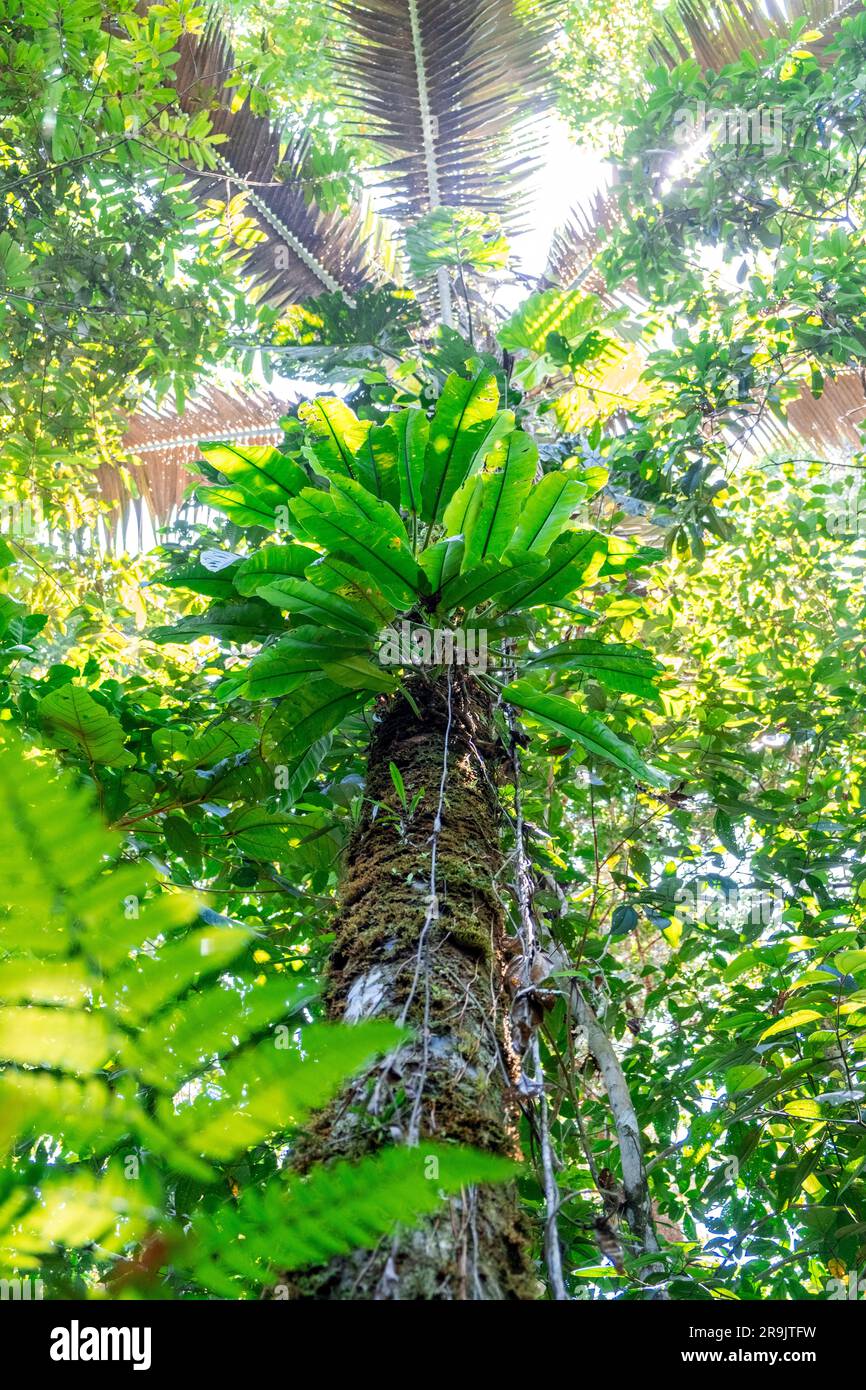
x=435, y=960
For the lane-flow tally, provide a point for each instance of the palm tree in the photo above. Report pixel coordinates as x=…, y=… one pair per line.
x=453, y=97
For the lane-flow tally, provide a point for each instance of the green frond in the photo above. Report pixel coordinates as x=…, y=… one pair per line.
x=295, y=1222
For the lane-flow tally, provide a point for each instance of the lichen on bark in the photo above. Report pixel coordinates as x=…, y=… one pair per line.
x=436, y=963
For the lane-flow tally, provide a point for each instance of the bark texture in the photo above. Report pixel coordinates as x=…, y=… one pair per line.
x=437, y=963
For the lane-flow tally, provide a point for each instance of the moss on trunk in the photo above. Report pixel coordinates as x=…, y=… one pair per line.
x=438, y=963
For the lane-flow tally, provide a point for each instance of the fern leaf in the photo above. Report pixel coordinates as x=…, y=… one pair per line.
x=266, y=1088
x=306, y=1221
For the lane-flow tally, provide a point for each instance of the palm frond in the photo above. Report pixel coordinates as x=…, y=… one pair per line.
x=832, y=421
x=304, y=251
x=242, y=414
x=451, y=92
x=716, y=32
x=576, y=241
x=162, y=441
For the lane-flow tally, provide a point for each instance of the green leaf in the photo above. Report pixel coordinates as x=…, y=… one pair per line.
x=491, y=579
x=314, y=709
x=347, y=582
x=179, y=1042
x=292, y=779
x=241, y=622
x=70, y=1212
x=413, y=429
x=259, y=468
x=573, y=562
x=239, y=505
x=319, y=605
x=297, y=656
x=803, y=1109
x=270, y=563
x=462, y=508
x=624, y=919
x=200, y=580
x=565, y=312
x=170, y=745
x=560, y=714
x=93, y=1116
x=376, y=464
x=162, y=973
x=261, y=482
x=42, y=1037
x=547, y=511
x=448, y=236
x=744, y=1078
x=349, y=520
x=459, y=431
x=75, y=721
x=262, y=834
x=220, y=741
x=357, y=672
x=790, y=1021
x=441, y=562
x=504, y=489
x=615, y=664
x=334, y=436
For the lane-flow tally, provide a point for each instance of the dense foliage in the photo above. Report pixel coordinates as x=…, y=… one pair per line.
x=601, y=500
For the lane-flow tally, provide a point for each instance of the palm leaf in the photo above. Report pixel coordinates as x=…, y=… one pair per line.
x=575, y=244
x=450, y=91
x=318, y=252
x=716, y=32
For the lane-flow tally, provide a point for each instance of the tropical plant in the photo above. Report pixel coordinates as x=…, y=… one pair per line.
x=145, y=1054
x=505, y=710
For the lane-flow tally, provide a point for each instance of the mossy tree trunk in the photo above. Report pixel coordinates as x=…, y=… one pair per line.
x=436, y=962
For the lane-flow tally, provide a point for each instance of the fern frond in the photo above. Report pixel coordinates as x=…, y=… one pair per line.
x=105, y=988
x=303, y=1221
x=73, y=1209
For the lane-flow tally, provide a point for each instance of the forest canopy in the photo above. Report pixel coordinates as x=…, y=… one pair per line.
x=431, y=650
